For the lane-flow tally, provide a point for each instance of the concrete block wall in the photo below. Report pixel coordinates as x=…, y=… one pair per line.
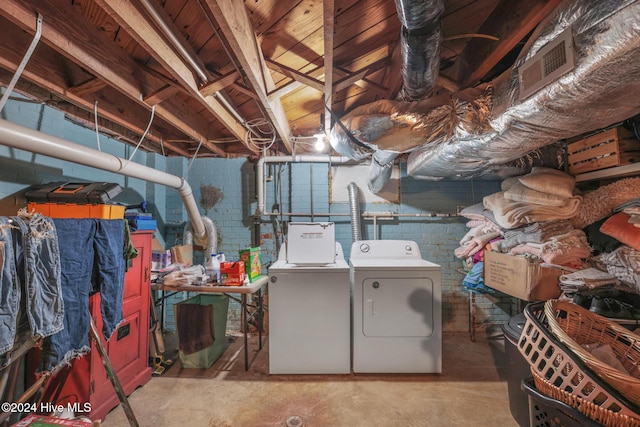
x=304, y=188
x=20, y=169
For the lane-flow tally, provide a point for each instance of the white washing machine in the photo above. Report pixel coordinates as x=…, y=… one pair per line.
x=309, y=317
x=397, y=308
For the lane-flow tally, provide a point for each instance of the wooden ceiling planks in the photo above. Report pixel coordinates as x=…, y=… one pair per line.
x=237, y=30
x=510, y=22
x=128, y=72
x=290, y=34
x=264, y=14
x=366, y=20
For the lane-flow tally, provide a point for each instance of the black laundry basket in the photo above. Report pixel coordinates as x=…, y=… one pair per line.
x=547, y=412
x=518, y=369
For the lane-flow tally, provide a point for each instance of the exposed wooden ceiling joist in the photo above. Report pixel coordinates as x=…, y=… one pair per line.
x=328, y=15
x=160, y=95
x=219, y=84
x=88, y=86
x=295, y=75
x=237, y=30
x=109, y=122
x=200, y=67
x=510, y=22
x=103, y=60
x=144, y=33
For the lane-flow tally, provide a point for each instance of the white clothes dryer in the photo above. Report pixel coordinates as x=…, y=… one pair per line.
x=397, y=308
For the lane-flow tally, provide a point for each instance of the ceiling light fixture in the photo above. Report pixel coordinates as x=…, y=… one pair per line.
x=319, y=144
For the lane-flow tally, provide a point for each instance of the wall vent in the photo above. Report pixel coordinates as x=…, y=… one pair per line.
x=551, y=62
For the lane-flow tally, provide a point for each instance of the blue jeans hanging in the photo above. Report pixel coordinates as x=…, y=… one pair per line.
x=30, y=289
x=90, y=250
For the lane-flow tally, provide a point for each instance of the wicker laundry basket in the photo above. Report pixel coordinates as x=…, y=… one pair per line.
x=575, y=326
x=560, y=374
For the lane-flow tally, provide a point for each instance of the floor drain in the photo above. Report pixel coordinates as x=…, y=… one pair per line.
x=294, y=421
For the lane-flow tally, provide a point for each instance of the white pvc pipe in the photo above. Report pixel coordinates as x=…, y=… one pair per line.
x=23, y=138
x=174, y=41
x=260, y=178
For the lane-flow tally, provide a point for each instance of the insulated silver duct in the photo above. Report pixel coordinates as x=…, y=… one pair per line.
x=602, y=89
x=354, y=207
x=474, y=132
x=421, y=38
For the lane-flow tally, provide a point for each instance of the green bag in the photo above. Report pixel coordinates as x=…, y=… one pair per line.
x=207, y=356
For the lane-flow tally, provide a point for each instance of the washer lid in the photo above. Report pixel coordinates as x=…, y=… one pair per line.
x=284, y=267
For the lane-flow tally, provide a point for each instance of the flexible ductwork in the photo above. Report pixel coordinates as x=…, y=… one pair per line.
x=209, y=241
x=602, y=89
x=471, y=134
x=354, y=208
x=421, y=38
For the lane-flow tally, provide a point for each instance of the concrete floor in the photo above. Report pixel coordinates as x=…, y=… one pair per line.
x=471, y=390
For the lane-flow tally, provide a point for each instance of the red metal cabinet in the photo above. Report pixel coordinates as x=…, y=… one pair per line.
x=86, y=380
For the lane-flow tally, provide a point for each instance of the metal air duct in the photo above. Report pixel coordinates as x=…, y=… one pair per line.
x=603, y=88
x=354, y=208
x=471, y=135
x=421, y=38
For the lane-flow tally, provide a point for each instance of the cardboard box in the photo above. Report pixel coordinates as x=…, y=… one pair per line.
x=232, y=273
x=252, y=262
x=311, y=243
x=520, y=277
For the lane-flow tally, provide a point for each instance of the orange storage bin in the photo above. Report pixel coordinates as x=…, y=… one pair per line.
x=73, y=210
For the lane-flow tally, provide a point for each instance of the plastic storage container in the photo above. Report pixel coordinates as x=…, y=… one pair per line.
x=518, y=369
x=207, y=356
x=548, y=412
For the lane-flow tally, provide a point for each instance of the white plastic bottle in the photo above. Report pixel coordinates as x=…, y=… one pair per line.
x=213, y=268
x=221, y=257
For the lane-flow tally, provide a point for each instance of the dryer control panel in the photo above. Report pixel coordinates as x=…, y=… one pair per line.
x=385, y=249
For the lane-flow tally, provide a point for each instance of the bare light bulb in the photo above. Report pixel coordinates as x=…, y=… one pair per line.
x=319, y=145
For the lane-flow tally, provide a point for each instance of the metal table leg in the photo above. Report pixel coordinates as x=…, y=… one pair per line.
x=245, y=327
x=260, y=323
x=472, y=316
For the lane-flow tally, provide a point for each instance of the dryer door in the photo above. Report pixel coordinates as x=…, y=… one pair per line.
x=399, y=307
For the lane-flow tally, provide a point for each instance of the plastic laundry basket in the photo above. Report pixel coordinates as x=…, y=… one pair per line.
x=518, y=370
x=207, y=356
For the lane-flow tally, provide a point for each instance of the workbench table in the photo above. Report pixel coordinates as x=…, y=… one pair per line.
x=248, y=311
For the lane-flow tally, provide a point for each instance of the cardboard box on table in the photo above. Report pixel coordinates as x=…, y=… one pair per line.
x=232, y=273
x=520, y=277
x=252, y=262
